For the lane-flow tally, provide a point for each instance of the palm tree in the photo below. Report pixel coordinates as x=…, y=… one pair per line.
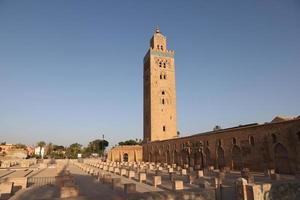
x=41, y=144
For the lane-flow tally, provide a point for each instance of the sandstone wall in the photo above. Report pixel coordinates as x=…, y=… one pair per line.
x=258, y=147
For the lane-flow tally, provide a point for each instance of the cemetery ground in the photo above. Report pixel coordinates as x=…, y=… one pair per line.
x=95, y=179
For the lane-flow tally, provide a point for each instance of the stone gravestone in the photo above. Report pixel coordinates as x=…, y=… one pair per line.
x=123, y=172
x=117, y=170
x=131, y=174
x=200, y=173
x=177, y=185
x=156, y=181
x=142, y=177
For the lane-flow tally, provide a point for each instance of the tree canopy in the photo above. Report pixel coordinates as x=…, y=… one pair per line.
x=95, y=146
x=131, y=142
x=73, y=150
x=41, y=144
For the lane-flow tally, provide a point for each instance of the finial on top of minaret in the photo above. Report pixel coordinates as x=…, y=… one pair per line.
x=157, y=29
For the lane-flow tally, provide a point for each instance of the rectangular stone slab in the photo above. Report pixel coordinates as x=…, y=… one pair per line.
x=131, y=174
x=177, y=185
x=183, y=172
x=142, y=177
x=156, y=181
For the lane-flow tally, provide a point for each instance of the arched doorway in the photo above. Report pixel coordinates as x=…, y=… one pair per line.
x=168, y=157
x=185, y=157
x=208, y=161
x=282, y=164
x=176, y=160
x=134, y=156
x=125, y=157
x=120, y=157
x=156, y=155
x=237, y=160
x=220, y=158
x=198, y=160
x=150, y=157
x=160, y=157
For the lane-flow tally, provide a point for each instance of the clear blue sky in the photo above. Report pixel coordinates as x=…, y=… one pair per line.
x=71, y=70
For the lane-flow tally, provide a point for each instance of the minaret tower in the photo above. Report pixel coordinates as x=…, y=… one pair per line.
x=159, y=91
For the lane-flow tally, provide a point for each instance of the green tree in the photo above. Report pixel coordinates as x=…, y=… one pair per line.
x=58, y=152
x=58, y=148
x=86, y=152
x=95, y=146
x=73, y=150
x=41, y=144
x=131, y=142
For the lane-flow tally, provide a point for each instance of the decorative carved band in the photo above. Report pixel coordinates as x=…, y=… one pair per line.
x=162, y=54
